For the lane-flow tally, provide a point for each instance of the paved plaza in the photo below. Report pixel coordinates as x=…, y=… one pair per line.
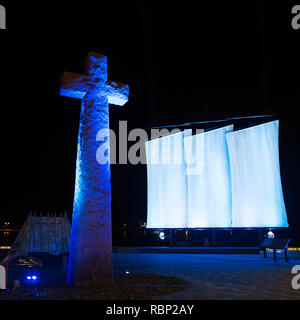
x=218, y=276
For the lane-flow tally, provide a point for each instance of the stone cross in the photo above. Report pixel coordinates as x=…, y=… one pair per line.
x=90, y=261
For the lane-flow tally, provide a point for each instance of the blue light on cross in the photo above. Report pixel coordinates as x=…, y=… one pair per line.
x=77, y=86
x=90, y=261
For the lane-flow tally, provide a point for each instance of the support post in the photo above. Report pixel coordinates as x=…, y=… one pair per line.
x=265, y=252
x=214, y=237
x=285, y=255
x=274, y=254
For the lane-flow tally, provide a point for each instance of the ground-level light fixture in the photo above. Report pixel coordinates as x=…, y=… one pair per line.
x=162, y=236
x=270, y=235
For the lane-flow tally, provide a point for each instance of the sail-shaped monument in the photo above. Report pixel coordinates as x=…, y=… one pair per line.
x=227, y=179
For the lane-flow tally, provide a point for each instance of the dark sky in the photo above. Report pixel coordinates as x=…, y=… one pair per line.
x=183, y=62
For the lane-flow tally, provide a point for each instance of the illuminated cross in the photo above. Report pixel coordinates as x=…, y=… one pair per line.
x=90, y=262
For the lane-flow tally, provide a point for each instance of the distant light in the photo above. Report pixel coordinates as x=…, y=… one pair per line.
x=162, y=236
x=28, y=277
x=127, y=272
x=271, y=235
x=34, y=277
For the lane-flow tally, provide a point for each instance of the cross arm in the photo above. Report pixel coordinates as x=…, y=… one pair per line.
x=73, y=85
x=117, y=92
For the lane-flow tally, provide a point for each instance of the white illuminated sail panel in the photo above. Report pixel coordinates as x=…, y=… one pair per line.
x=208, y=176
x=167, y=184
x=257, y=199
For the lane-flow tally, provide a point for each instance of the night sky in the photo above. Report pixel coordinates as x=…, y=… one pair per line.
x=183, y=62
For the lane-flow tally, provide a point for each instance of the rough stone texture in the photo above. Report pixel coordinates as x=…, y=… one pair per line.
x=90, y=262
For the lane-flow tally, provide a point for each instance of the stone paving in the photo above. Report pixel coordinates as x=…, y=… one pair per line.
x=218, y=276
